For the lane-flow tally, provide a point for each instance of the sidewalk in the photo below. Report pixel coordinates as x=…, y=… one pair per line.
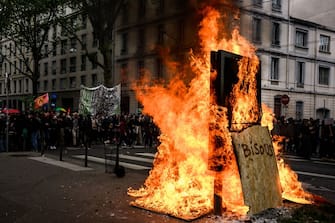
x=33, y=191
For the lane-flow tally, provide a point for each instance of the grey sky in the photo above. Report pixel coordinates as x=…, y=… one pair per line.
x=319, y=11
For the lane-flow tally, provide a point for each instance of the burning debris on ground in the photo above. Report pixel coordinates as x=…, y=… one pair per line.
x=182, y=182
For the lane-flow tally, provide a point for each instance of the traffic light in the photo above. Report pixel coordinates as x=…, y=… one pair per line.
x=53, y=100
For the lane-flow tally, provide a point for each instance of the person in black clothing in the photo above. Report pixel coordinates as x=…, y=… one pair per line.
x=68, y=125
x=35, y=127
x=87, y=130
x=53, y=132
x=2, y=134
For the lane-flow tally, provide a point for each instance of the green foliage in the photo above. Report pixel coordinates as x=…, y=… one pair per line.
x=25, y=25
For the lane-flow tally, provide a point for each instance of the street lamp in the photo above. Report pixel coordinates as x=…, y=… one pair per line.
x=7, y=114
x=2, y=57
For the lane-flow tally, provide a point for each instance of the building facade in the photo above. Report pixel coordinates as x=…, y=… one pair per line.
x=297, y=56
x=64, y=67
x=297, y=59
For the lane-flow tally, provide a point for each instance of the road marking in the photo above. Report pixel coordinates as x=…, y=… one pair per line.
x=102, y=160
x=63, y=164
x=147, y=154
x=122, y=156
x=319, y=188
x=314, y=160
x=315, y=174
x=324, y=162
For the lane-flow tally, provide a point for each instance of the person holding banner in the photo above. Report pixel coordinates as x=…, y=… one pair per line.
x=41, y=100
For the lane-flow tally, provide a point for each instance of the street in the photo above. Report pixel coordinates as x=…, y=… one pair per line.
x=43, y=189
x=318, y=176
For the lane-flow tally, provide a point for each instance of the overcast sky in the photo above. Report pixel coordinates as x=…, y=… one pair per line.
x=319, y=11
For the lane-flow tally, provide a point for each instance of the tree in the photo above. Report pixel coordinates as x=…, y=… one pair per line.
x=102, y=15
x=25, y=25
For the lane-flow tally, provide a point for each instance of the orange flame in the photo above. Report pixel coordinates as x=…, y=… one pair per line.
x=180, y=182
x=292, y=188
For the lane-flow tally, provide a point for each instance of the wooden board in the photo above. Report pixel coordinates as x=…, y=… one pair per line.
x=258, y=169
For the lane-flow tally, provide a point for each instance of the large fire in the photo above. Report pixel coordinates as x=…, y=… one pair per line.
x=180, y=182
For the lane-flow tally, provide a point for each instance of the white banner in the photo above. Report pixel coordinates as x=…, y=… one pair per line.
x=100, y=100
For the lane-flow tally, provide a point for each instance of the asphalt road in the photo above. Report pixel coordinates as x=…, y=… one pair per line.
x=35, y=191
x=317, y=175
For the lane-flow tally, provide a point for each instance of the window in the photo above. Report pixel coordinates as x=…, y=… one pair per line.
x=14, y=86
x=46, y=50
x=256, y=30
x=95, y=42
x=53, y=84
x=46, y=69
x=63, y=66
x=159, y=68
x=15, y=66
x=54, y=49
x=72, y=83
x=322, y=113
x=125, y=12
x=141, y=8
x=301, y=38
x=83, y=41
x=124, y=74
x=140, y=41
x=27, y=84
x=299, y=110
x=94, y=79
x=324, y=75
x=73, y=44
x=95, y=61
x=73, y=63
x=124, y=43
x=277, y=106
x=160, y=6
x=324, y=44
x=20, y=86
x=53, y=68
x=181, y=32
x=161, y=33
x=83, y=21
x=21, y=65
x=300, y=74
x=83, y=63
x=258, y=3
x=83, y=80
x=74, y=22
x=63, y=83
x=140, y=69
x=275, y=34
x=274, y=70
x=54, y=32
x=45, y=85
x=63, y=46
x=276, y=5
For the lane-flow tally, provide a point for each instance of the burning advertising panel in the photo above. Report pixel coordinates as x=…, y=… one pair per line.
x=195, y=167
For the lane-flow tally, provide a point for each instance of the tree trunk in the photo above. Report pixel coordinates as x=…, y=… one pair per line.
x=108, y=73
x=35, y=73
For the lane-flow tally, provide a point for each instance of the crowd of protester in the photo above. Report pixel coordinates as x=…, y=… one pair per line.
x=37, y=131
x=307, y=137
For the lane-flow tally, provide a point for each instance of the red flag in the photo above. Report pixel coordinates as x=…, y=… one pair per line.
x=41, y=100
